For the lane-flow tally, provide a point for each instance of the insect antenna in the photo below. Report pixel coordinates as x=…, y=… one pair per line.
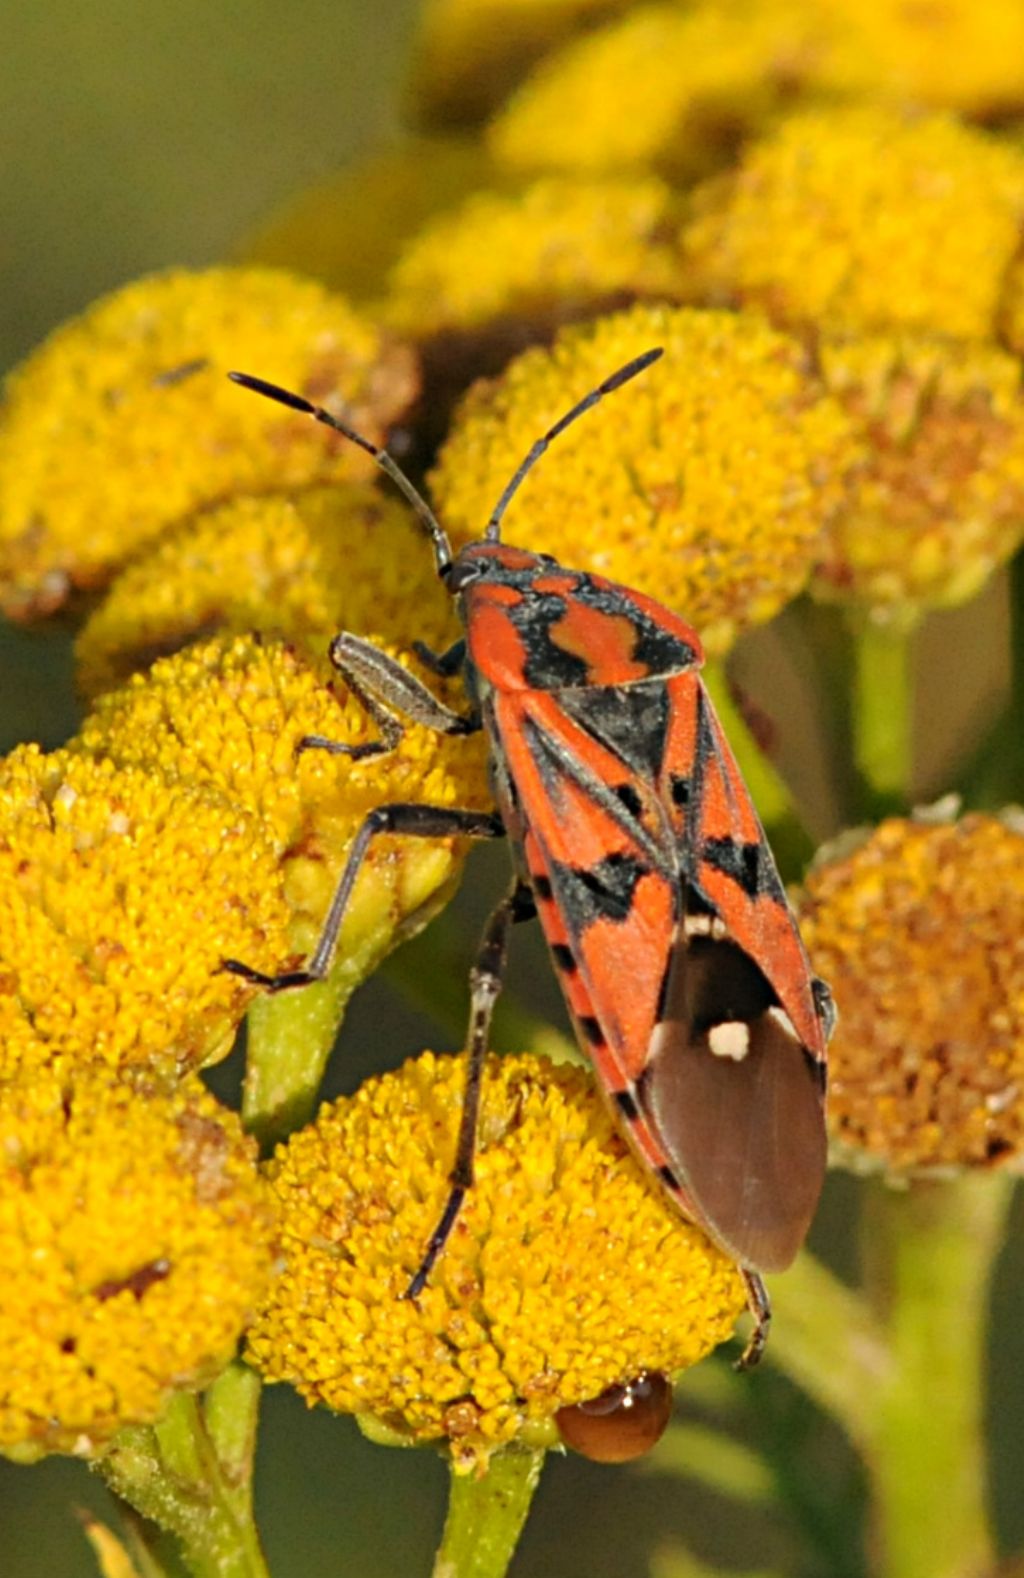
x=617, y=379
x=386, y=462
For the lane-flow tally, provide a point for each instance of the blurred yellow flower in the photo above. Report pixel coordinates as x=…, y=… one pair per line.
x=349, y=229
x=124, y=423
x=707, y=483
x=120, y=893
x=134, y=1245
x=299, y=566
x=471, y=52
x=862, y=219
x=567, y=1271
x=920, y=931
x=939, y=503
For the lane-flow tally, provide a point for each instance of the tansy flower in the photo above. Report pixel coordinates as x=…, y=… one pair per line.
x=860, y=219
x=939, y=501
x=706, y=483
x=920, y=931
x=301, y=566
x=120, y=893
x=226, y=717
x=567, y=1271
x=469, y=53
x=123, y=422
x=502, y=271
x=134, y=1245
x=349, y=230
x=668, y=86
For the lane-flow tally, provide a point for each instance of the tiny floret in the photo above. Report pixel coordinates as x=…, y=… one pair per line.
x=567, y=1272
x=134, y=1245
x=707, y=483
x=918, y=930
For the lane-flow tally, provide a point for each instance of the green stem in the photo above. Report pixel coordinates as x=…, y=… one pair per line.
x=775, y=804
x=929, y=1253
x=827, y=1340
x=170, y=1474
x=486, y=1516
x=882, y=713
x=231, y=1414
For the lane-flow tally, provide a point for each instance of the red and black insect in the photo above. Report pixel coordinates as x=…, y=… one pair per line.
x=637, y=845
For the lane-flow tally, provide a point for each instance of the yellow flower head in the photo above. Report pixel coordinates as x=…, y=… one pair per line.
x=226, y=717
x=939, y=501
x=349, y=230
x=123, y=422
x=119, y=895
x=963, y=55
x=706, y=483
x=860, y=219
x=302, y=567
x=551, y=252
x=471, y=52
x=920, y=931
x=668, y=86
x=567, y=1271
x=134, y=1246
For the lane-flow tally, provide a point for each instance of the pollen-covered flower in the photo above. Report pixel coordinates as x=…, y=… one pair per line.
x=226, y=716
x=861, y=219
x=349, y=229
x=120, y=893
x=567, y=1271
x=123, y=422
x=134, y=1246
x=514, y=266
x=299, y=566
x=939, y=501
x=471, y=52
x=670, y=87
x=705, y=483
x=920, y=932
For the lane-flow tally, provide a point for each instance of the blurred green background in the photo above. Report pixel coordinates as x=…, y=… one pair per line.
x=141, y=136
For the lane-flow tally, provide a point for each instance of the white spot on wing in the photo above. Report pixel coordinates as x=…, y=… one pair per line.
x=731, y=1039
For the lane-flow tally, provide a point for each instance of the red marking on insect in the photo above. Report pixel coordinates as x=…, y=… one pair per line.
x=678, y=955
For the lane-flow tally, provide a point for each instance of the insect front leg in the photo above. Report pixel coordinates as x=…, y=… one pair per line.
x=413, y=821
x=485, y=987
x=389, y=693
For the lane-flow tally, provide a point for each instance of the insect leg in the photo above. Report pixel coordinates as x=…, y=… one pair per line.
x=414, y=821
x=485, y=985
x=444, y=663
x=385, y=689
x=759, y=1305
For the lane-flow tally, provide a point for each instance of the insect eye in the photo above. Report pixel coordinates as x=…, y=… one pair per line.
x=462, y=573
x=547, y=558
x=623, y=1423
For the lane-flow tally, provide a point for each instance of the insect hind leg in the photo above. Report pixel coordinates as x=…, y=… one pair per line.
x=485, y=983
x=760, y=1307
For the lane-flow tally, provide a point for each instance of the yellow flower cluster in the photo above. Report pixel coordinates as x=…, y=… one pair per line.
x=227, y=716
x=119, y=896
x=862, y=220
x=567, y=1271
x=296, y=567
x=124, y=423
x=919, y=932
x=707, y=483
x=938, y=502
x=549, y=253
x=134, y=1246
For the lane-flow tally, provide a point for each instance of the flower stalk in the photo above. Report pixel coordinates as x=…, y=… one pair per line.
x=486, y=1515
x=882, y=712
